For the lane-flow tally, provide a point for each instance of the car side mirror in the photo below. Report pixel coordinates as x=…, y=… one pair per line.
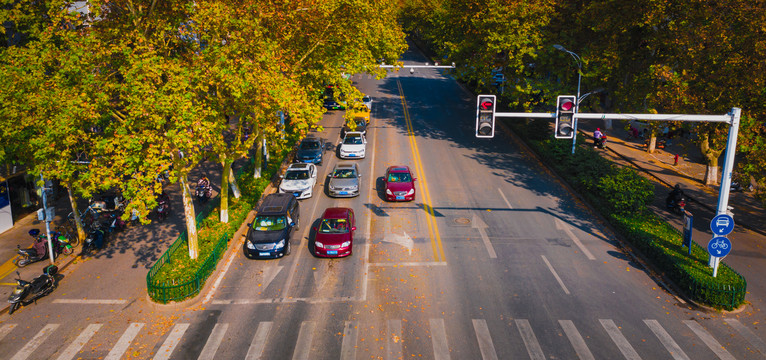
x=281, y=176
x=249, y=224
x=413, y=179
x=353, y=228
x=292, y=223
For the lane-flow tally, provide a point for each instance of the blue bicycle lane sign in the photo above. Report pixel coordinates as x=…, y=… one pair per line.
x=719, y=246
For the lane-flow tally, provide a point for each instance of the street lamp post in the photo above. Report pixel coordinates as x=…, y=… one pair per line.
x=579, y=78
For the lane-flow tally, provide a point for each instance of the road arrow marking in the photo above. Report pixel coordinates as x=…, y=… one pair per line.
x=480, y=225
x=403, y=240
x=269, y=274
x=567, y=229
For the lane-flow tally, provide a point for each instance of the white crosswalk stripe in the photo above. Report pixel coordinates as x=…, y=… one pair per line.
x=485, y=340
x=530, y=340
x=350, y=336
x=581, y=349
x=666, y=340
x=439, y=339
x=748, y=334
x=213, y=342
x=77, y=344
x=124, y=342
x=394, y=339
x=259, y=341
x=171, y=341
x=708, y=339
x=36, y=341
x=619, y=339
x=303, y=345
x=351, y=342
x=6, y=329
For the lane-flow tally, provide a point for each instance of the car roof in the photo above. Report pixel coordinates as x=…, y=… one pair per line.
x=399, y=168
x=298, y=166
x=345, y=166
x=336, y=213
x=275, y=204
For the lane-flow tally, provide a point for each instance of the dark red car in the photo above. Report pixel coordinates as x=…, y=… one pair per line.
x=335, y=233
x=400, y=185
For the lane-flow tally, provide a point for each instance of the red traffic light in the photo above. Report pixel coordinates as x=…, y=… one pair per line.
x=486, y=104
x=566, y=105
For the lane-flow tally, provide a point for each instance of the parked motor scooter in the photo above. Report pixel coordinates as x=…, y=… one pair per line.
x=95, y=239
x=163, y=206
x=203, y=193
x=40, y=252
x=27, y=292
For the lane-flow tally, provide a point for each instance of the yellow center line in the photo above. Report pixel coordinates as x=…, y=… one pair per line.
x=433, y=229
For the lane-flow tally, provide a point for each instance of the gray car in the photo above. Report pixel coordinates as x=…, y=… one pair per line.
x=344, y=180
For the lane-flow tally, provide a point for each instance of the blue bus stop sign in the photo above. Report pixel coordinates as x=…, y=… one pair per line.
x=722, y=225
x=719, y=246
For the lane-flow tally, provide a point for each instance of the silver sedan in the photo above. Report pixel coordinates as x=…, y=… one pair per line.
x=344, y=180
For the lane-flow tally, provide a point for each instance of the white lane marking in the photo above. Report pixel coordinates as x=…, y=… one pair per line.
x=439, y=339
x=402, y=264
x=90, y=301
x=480, y=225
x=213, y=342
x=568, y=230
x=82, y=339
x=708, y=339
x=622, y=343
x=486, y=346
x=530, y=340
x=504, y=198
x=748, y=334
x=667, y=341
x=566, y=291
x=578, y=343
x=36, y=341
x=171, y=342
x=124, y=342
x=394, y=339
x=303, y=344
x=348, y=346
x=366, y=274
x=6, y=329
x=259, y=341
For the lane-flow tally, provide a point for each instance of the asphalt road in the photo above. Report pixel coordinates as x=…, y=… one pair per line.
x=493, y=260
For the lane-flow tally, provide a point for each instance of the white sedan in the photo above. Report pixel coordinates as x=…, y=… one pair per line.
x=353, y=145
x=299, y=180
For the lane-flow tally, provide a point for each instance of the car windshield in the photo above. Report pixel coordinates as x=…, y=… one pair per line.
x=334, y=226
x=309, y=145
x=297, y=175
x=399, y=177
x=344, y=173
x=269, y=223
x=353, y=140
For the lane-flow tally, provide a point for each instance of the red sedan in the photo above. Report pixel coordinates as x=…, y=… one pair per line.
x=400, y=185
x=335, y=233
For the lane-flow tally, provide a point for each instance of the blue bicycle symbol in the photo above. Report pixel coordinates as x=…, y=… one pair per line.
x=719, y=243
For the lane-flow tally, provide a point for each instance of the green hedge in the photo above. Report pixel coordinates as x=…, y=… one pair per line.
x=175, y=277
x=623, y=196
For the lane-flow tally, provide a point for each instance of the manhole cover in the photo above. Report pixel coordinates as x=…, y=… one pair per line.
x=462, y=221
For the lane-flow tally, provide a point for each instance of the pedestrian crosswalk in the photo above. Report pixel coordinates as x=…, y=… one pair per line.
x=488, y=346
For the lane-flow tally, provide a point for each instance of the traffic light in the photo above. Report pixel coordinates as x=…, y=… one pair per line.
x=485, y=116
x=565, y=109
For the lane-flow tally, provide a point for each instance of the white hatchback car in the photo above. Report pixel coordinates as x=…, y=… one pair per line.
x=299, y=180
x=353, y=146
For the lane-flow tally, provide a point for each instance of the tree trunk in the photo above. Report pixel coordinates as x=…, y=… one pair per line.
x=191, y=221
x=224, y=188
x=233, y=184
x=258, y=157
x=711, y=156
x=78, y=222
